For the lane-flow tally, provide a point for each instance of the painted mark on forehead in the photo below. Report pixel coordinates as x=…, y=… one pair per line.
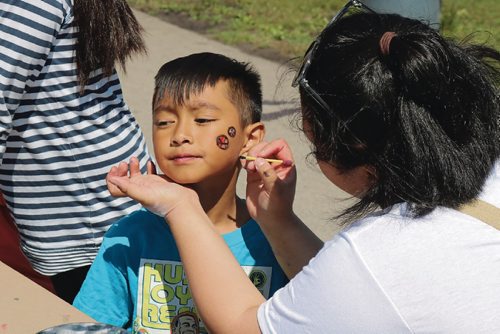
x=222, y=142
x=231, y=131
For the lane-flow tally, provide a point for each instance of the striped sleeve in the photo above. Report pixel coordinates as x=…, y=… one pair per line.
x=27, y=32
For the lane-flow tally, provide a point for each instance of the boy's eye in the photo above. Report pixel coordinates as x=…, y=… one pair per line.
x=163, y=123
x=204, y=120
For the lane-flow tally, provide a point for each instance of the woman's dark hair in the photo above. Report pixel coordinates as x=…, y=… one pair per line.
x=183, y=76
x=425, y=115
x=108, y=33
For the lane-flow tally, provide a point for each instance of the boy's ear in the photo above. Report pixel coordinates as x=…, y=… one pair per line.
x=254, y=134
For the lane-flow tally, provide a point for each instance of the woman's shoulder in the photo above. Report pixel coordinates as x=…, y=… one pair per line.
x=48, y=8
x=398, y=219
x=397, y=214
x=42, y=18
x=491, y=188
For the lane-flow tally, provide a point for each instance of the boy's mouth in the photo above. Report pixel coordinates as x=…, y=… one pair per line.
x=184, y=158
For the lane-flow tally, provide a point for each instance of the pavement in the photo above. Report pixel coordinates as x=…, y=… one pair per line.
x=317, y=200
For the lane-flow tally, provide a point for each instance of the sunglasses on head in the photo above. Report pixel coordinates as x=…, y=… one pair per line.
x=350, y=7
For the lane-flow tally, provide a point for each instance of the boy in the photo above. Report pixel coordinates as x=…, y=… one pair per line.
x=206, y=114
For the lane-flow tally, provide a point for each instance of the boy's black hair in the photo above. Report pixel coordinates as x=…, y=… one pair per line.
x=108, y=32
x=425, y=116
x=188, y=75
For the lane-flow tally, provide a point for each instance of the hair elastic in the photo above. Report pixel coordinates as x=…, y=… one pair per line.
x=385, y=42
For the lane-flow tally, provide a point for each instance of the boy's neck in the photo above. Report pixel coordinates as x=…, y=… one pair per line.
x=226, y=210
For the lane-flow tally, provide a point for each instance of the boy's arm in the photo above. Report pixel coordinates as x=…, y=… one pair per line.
x=270, y=195
x=104, y=294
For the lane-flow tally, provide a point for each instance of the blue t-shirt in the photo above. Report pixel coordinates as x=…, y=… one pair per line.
x=137, y=280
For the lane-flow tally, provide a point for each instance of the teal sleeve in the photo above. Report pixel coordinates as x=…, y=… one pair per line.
x=104, y=295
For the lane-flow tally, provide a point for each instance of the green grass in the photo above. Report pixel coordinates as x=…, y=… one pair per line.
x=288, y=26
x=460, y=18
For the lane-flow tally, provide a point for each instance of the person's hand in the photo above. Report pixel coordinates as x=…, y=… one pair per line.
x=271, y=187
x=270, y=193
x=154, y=192
x=123, y=169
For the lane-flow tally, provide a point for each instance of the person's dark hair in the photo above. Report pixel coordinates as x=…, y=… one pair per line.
x=188, y=75
x=108, y=32
x=425, y=115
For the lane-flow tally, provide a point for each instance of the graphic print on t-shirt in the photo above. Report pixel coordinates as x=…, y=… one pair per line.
x=163, y=293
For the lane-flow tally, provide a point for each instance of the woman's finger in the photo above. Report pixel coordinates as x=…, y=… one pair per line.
x=267, y=173
x=249, y=165
x=151, y=168
x=113, y=189
x=277, y=149
x=134, y=167
x=122, y=169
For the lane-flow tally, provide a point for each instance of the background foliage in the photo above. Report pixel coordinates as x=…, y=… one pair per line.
x=284, y=28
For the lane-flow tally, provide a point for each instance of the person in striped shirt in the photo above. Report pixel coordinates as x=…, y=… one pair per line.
x=63, y=124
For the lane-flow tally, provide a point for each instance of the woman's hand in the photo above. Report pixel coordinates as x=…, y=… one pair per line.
x=123, y=169
x=270, y=186
x=154, y=192
x=270, y=193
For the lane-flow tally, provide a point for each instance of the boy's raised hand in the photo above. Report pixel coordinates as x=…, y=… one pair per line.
x=270, y=186
x=154, y=192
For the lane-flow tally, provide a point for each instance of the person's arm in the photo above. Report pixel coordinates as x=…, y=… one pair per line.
x=226, y=286
x=270, y=195
x=105, y=294
x=28, y=30
x=293, y=243
x=226, y=299
x=23, y=53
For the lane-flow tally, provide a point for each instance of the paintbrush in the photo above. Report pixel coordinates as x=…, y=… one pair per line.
x=249, y=158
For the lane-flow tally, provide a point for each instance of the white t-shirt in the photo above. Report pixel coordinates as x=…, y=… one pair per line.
x=389, y=273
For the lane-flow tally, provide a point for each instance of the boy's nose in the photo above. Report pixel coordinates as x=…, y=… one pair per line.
x=181, y=137
x=182, y=133
x=179, y=140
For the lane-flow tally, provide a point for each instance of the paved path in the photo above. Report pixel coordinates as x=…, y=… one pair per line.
x=316, y=199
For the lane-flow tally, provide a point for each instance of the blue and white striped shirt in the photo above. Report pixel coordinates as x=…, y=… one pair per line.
x=56, y=146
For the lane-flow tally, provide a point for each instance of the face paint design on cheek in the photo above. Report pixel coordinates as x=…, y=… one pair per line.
x=222, y=142
x=231, y=131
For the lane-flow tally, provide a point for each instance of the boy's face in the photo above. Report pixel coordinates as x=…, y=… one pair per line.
x=200, y=139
